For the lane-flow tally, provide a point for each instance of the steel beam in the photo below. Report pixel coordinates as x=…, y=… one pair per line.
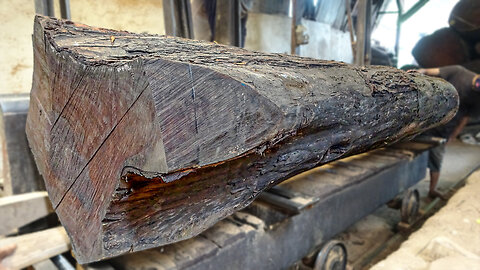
x=235, y=25
x=65, y=9
x=404, y=16
x=45, y=7
x=177, y=15
x=416, y=7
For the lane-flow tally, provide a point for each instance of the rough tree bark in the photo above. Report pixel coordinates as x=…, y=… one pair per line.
x=147, y=140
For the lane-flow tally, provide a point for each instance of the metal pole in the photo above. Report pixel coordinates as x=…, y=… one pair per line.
x=50, y=7
x=62, y=263
x=44, y=7
x=235, y=23
x=178, y=18
x=399, y=26
x=409, y=13
x=186, y=16
x=65, y=9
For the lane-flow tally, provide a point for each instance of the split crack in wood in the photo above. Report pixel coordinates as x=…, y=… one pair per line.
x=96, y=151
x=148, y=165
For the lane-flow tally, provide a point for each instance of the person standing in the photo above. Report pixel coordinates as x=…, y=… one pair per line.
x=467, y=84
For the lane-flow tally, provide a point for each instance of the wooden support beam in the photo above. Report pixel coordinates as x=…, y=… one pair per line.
x=148, y=140
x=361, y=32
x=19, y=210
x=35, y=247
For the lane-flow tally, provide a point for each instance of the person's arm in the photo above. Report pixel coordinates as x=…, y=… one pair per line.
x=430, y=71
x=453, y=74
x=463, y=122
x=6, y=251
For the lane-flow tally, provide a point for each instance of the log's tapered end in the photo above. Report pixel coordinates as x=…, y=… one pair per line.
x=148, y=140
x=437, y=100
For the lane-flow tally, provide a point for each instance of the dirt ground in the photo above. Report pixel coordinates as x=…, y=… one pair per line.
x=451, y=235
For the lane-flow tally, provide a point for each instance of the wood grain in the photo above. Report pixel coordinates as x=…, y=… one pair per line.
x=149, y=140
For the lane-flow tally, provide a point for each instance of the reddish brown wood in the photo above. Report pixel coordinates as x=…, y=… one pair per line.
x=147, y=140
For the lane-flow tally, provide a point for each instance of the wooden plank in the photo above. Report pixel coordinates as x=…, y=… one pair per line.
x=148, y=140
x=19, y=210
x=35, y=247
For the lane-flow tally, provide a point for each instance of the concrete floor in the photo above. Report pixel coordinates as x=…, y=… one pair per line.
x=374, y=230
x=448, y=240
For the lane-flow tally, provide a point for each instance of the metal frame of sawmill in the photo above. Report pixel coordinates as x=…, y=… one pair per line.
x=298, y=217
x=403, y=16
x=46, y=8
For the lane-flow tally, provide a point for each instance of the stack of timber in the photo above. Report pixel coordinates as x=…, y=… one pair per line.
x=458, y=44
x=148, y=140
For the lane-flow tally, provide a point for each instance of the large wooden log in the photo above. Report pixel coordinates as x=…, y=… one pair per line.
x=147, y=140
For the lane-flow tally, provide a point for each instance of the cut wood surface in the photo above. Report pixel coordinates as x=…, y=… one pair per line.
x=148, y=140
x=35, y=247
x=19, y=210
